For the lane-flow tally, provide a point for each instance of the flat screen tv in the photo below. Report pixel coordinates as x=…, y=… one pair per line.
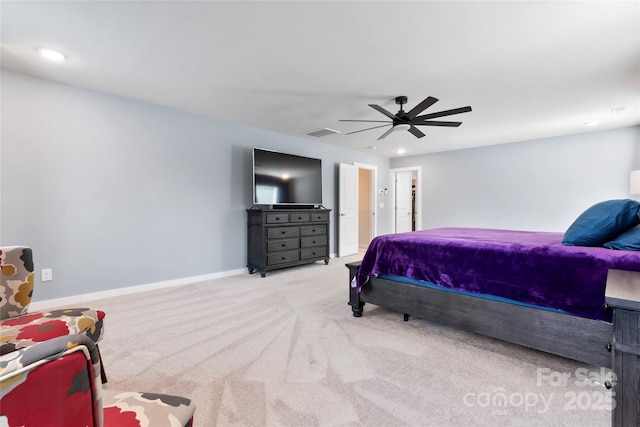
x=286, y=179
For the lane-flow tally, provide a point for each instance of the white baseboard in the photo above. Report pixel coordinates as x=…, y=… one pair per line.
x=79, y=299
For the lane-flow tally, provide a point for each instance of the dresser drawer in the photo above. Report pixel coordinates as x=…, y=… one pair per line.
x=282, y=257
x=318, y=252
x=312, y=230
x=320, y=217
x=306, y=242
x=301, y=217
x=277, y=218
x=282, y=245
x=282, y=232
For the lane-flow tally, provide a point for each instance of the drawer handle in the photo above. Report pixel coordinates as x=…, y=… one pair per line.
x=284, y=232
x=314, y=230
x=299, y=217
x=314, y=242
x=284, y=258
x=284, y=245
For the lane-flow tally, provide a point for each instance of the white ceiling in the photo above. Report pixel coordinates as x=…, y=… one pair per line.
x=528, y=69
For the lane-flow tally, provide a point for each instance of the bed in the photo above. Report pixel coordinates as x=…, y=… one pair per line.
x=519, y=286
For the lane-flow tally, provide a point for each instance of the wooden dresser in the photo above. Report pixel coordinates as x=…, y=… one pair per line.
x=279, y=238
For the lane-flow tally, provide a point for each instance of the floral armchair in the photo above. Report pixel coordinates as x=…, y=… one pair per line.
x=56, y=383
x=20, y=329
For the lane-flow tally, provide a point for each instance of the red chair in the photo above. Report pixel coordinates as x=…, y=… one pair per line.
x=56, y=383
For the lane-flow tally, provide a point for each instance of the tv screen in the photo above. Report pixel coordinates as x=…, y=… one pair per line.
x=280, y=178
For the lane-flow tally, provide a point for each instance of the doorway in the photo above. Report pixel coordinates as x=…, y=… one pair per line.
x=366, y=214
x=406, y=204
x=357, y=201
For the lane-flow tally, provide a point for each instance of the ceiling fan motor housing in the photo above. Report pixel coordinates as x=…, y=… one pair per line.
x=401, y=116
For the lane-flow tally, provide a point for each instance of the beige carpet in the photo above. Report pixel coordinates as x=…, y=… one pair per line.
x=286, y=351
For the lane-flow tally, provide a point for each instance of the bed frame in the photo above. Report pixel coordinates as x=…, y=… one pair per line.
x=615, y=346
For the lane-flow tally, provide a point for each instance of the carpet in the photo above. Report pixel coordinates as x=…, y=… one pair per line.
x=285, y=350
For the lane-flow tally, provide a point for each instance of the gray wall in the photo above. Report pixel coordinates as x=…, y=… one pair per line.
x=111, y=192
x=540, y=185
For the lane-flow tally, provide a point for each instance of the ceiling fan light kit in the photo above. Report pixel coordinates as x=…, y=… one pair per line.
x=408, y=121
x=402, y=126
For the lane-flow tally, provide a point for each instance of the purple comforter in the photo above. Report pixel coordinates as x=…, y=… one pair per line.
x=531, y=267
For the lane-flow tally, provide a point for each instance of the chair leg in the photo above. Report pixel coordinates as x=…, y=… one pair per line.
x=103, y=374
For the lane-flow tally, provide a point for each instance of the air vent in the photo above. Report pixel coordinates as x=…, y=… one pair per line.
x=322, y=132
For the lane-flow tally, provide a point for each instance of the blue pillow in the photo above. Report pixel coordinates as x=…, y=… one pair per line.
x=602, y=222
x=628, y=241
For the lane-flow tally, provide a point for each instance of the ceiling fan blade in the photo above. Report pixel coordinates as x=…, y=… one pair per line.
x=383, y=111
x=438, y=123
x=421, y=107
x=444, y=113
x=384, y=135
x=367, y=121
x=362, y=130
x=416, y=132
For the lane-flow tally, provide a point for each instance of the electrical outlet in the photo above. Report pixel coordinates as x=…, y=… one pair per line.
x=46, y=274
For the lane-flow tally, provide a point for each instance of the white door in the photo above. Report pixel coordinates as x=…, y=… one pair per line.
x=347, y=210
x=403, y=202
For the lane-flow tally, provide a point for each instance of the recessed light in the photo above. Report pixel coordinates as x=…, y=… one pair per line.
x=592, y=123
x=401, y=151
x=51, y=54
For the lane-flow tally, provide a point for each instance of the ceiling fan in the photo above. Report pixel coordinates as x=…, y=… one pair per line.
x=409, y=120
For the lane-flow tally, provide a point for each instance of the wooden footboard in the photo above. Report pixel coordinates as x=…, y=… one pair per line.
x=577, y=338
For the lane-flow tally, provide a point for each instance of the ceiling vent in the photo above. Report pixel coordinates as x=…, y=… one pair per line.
x=318, y=133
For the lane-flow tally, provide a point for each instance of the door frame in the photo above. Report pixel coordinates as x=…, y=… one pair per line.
x=392, y=195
